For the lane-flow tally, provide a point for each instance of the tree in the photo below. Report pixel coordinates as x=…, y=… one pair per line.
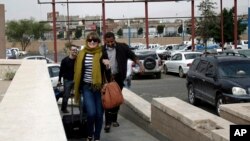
x=228, y=27
x=24, y=31
x=140, y=31
x=160, y=29
x=78, y=32
x=208, y=23
x=119, y=32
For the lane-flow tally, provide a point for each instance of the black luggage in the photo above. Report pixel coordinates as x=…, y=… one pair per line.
x=75, y=125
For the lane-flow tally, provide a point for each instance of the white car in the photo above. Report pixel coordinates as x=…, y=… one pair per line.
x=180, y=62
x=39, y=57
x=150, y=60
x=54, y=70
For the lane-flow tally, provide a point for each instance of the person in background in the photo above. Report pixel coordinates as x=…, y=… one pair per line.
x=115, y=57
x=129, y=74
x=88, y=83
x=67, y=73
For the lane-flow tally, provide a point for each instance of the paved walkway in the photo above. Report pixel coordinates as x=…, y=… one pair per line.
x=127, y=131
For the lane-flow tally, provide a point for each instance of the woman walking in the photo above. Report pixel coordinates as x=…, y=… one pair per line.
x=88, y=82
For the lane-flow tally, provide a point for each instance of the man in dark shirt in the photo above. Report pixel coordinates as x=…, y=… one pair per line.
x=67, y=73
x=115, y=57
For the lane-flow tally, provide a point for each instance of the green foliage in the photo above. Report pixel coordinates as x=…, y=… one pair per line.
x=140, y=31
x=180, y=29
x=160, y=29
x=119, y=32
x=60, y=35
x=24, y=31
x=207, y=25
x=9, y=74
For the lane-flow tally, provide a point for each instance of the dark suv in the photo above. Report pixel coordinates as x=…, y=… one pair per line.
x=219, y=79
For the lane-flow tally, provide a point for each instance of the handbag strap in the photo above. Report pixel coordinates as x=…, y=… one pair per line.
x=112, y=77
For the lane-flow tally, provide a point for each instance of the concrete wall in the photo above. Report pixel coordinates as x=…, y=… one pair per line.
x=237, y=113
x=171, y=119
x=26, y=112
x=2, y=32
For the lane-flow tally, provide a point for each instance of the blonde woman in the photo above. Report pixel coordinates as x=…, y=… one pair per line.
x=88, y=82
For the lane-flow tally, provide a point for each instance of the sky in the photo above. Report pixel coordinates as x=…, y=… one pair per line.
x=26, y=9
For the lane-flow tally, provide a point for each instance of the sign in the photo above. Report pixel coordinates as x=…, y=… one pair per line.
x=43, y=49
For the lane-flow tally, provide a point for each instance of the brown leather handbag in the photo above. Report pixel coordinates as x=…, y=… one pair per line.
x=111, y=95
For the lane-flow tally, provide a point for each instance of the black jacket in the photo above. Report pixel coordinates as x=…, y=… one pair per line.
x=123, y=53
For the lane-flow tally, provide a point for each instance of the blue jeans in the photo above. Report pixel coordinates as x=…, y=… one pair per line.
x=93, y=106
x=68, y=85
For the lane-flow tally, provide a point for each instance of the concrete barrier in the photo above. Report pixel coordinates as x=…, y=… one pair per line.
x=181, y=121
x=29, y=110
x=236, y=113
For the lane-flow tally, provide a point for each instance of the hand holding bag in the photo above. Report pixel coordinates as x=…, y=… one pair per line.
x=111, y=95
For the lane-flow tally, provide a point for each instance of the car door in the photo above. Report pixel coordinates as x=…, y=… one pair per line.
x=199, y=78
x=209, y=83
x=173, y=64
x=54, y=74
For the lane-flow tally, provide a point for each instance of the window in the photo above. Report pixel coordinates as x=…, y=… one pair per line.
x=202, y=66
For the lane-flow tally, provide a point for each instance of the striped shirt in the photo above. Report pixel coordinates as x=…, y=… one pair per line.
x=87, y=76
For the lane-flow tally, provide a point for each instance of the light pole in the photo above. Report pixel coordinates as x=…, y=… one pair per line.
x=129, y=32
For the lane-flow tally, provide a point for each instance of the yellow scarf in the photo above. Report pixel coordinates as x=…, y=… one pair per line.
x=96, y=70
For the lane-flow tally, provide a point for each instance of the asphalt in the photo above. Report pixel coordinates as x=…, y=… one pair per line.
x=127, y=131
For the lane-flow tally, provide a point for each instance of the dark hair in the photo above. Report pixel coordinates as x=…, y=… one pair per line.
x=109, y=35
x=93, y=35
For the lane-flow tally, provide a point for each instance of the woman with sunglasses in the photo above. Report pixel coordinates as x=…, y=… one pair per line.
x=88, y=82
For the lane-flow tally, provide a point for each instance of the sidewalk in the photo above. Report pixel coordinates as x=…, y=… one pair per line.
x=127, y=131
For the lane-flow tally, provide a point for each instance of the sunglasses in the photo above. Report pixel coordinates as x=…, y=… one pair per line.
x=94, y=40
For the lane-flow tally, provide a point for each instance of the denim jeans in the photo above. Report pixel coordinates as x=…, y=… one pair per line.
x=93, y=106
x=68, y=85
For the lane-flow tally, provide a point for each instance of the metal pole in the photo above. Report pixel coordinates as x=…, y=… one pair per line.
x=193, y=22
x=129, y=32
x=146, y=23
x=103, y=18
x=222, y=25
x=68, y=35
x=183, y=31
x=54, y=29
x=235, y=25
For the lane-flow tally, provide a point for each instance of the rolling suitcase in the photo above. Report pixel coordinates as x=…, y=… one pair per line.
x=75, y=125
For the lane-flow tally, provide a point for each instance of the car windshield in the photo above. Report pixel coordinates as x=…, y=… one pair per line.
x=235, y=69
x=192, y=55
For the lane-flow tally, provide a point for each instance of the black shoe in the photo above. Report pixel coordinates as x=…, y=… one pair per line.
x=116, y=124
x=107, y=128
x=65, y=111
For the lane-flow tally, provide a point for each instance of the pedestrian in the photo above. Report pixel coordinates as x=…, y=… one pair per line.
x=88, y=83
x=67, y=73
x=129, y=74
x=115, y=56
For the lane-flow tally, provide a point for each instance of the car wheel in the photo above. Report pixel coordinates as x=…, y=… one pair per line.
x=219, y=101
x=149, y=63
x=181, y=73
x=191, y=95
x=165, y=69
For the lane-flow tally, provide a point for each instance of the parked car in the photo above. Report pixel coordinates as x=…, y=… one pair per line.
x=244, y=52
x=54, y=70
x=219, y=79
x=180, y=62
x=151, y=61
x=39, y=57
x=10, y=54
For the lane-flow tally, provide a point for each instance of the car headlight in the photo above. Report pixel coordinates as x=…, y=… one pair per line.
x=238, y=91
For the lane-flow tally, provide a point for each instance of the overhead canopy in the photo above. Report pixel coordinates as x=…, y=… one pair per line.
x=106, y=1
